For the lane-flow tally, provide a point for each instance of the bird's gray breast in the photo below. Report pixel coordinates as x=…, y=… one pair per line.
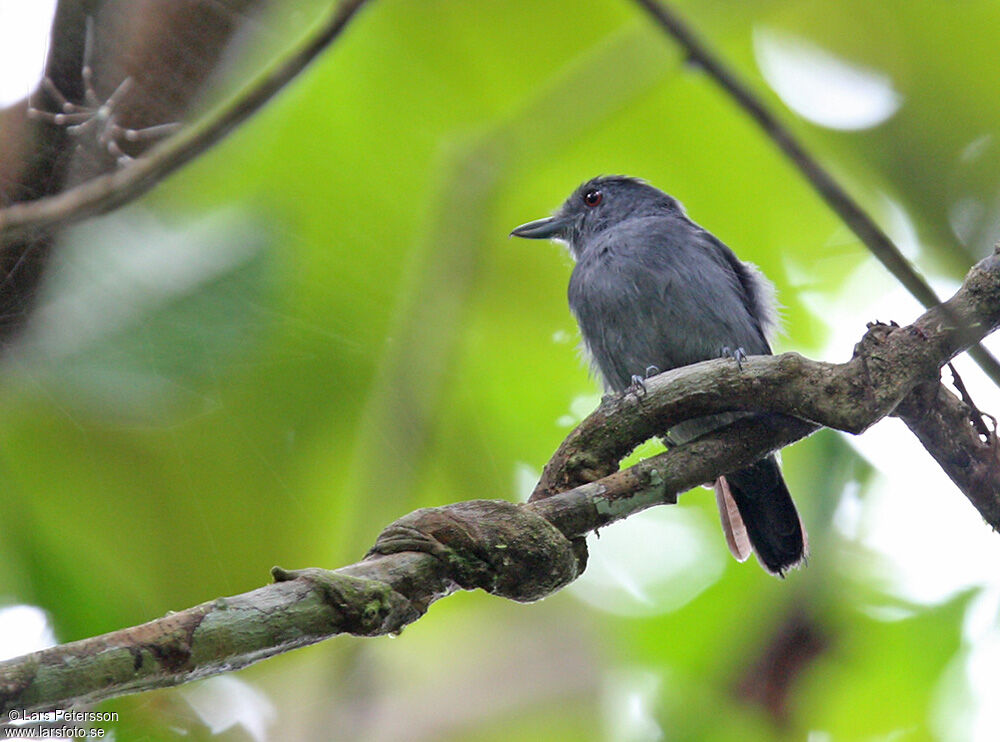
x=657, y=292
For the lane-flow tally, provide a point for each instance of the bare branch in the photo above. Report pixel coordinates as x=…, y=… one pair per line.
x=525, y=552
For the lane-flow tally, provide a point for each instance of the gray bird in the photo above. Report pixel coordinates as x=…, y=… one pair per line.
x=652, y=291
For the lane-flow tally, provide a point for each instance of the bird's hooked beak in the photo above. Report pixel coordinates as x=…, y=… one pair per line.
x=540, y=229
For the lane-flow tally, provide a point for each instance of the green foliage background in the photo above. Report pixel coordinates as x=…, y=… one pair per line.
x=322, y=325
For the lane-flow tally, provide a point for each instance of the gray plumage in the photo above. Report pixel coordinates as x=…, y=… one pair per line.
x=652, y=288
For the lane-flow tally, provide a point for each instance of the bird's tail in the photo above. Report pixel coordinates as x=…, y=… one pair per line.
x=757, y=511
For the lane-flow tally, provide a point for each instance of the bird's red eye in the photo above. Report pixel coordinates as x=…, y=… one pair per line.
x=592, y=198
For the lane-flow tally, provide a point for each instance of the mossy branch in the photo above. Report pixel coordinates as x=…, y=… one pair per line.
x=528, y=551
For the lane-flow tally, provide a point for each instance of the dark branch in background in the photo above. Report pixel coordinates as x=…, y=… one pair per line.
x=165, y=51
x=870, y=234
x=106, y=192
x=526, y=552
x=31, y=167
x=797, y=642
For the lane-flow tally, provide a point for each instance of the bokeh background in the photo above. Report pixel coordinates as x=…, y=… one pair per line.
x=321, y=325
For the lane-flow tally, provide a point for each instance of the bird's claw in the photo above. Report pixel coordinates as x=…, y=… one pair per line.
x=637, y=387
x=739, y=355
x=95, y=120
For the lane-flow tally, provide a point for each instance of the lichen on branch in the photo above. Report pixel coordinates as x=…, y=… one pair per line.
x=525, y=552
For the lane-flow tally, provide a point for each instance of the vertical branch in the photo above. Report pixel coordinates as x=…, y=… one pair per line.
x=34, y=165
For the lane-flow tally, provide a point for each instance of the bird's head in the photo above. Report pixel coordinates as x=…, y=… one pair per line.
x=597, y=205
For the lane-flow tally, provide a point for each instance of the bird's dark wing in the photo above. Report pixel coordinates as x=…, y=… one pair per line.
x=756, y=291
x=662, y=292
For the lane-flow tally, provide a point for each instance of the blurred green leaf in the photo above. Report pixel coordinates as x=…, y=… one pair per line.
x=137, y=316
x=321, y=325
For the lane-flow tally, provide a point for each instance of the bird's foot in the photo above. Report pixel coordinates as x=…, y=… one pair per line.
x=638, y=385
x=739, y=355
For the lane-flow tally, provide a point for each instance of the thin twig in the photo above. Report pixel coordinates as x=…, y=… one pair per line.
x=976, y=415
x=106, y=192
x=876, y=240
